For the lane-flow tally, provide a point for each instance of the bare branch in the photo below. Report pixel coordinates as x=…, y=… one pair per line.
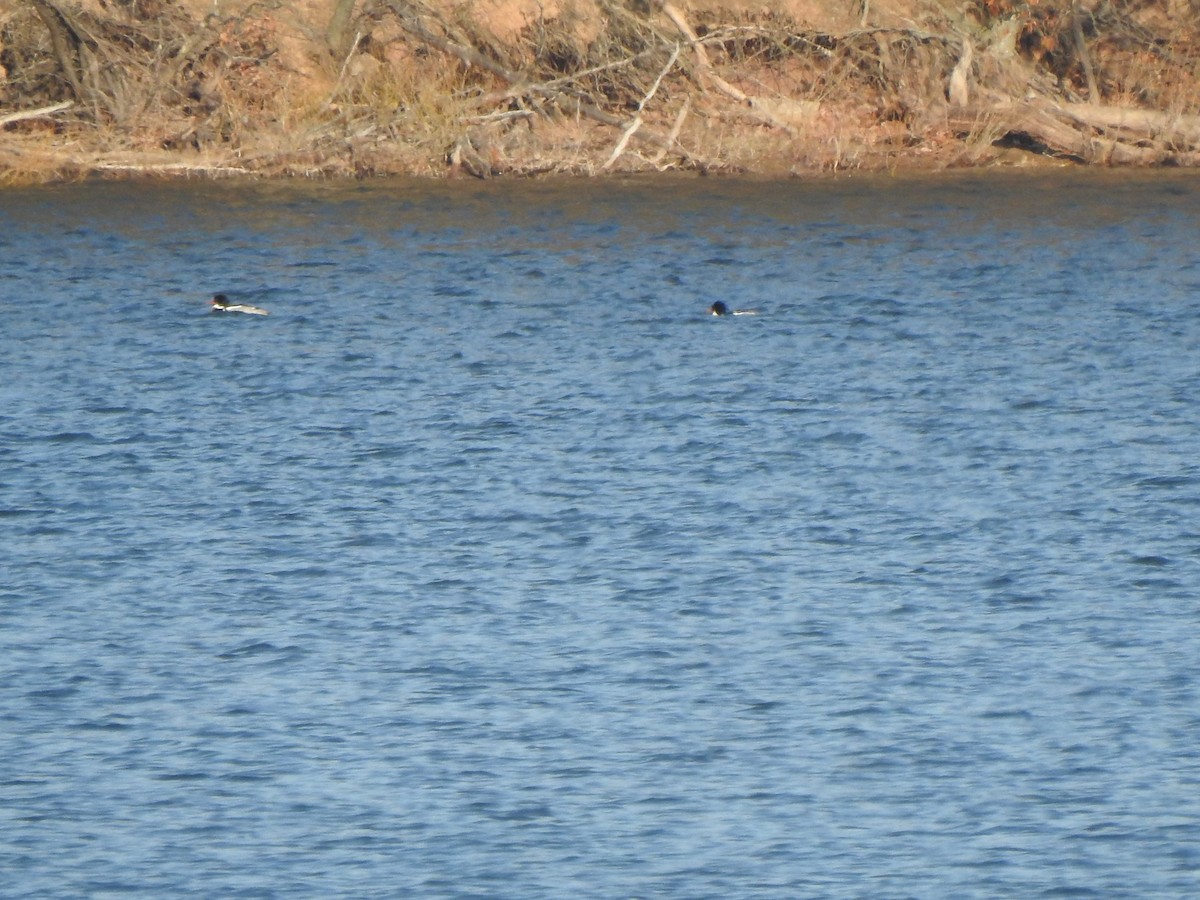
x=36, y=113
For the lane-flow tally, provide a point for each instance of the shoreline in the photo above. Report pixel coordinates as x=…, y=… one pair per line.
x=588, y=88
x=682, y=184
x=31, y=162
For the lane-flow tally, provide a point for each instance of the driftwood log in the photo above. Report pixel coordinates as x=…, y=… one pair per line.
x=1089, y=132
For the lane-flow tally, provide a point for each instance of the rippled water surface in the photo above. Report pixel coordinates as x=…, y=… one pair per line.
x=488, y=565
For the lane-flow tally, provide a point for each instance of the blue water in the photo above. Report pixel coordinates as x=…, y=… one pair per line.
x=488, y=565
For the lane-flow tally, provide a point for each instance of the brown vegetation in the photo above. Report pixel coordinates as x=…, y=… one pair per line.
x=330, y=87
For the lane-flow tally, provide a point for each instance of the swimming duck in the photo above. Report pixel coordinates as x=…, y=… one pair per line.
x=720, y=309
x=220, y=303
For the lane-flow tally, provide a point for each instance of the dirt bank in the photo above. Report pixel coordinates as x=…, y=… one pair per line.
x=518, y=87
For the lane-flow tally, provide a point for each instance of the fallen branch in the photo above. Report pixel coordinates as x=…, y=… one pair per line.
x=503, y=115
x=633, y=126
x=706, y=70
x=64, y=39
x=1144, y=123
x=675, y=129
x=598, y=115
x=163, y=168
x=547, y=87
x=415, y=25
x=36, y=113
x=637, y=118
x=337, y=85
x=1093, y=133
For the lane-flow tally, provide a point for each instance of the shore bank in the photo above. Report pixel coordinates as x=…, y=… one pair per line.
x=362, y=88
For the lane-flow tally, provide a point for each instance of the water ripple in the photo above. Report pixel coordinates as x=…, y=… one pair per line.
x=489, y=565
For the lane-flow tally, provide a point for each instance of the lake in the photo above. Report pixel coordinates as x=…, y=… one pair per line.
x=490, y=565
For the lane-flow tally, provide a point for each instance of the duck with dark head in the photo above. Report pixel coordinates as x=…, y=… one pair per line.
x=720, y=309
x=221, y=303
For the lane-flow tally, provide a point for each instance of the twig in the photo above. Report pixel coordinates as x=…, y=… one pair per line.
x=653, y=137
x=694, y=42
x=337, y=85
x=705, y=68
x=36, y=113
x=633, y=126
x=545, y=87
x=675, y=129
x=637, y=118
x=170, y=167
x=501, y=116
x=661, y=75
x=412, y=22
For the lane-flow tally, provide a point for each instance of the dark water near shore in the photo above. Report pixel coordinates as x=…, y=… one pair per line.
x=488, y=565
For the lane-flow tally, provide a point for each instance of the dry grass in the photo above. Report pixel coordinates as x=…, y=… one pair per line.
x=599, y=87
